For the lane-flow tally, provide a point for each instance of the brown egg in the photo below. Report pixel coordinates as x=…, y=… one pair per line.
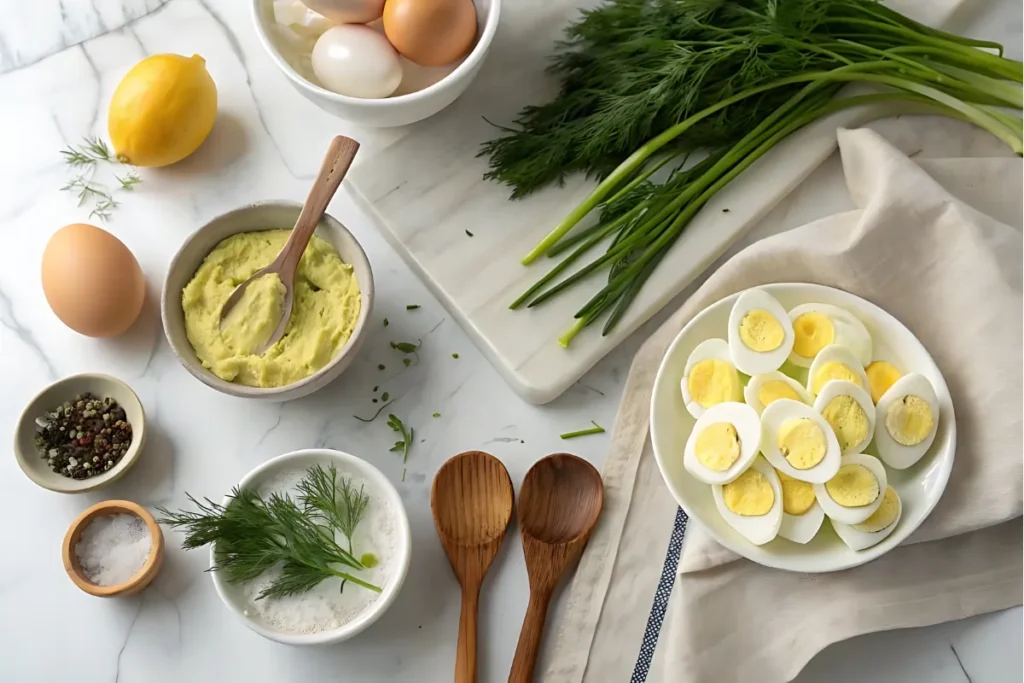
x=431, y=32
x=92, y=281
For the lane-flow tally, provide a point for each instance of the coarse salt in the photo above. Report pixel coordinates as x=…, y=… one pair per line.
x=113, y=548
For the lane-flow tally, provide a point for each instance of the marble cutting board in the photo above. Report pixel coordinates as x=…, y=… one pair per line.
x=426, y=193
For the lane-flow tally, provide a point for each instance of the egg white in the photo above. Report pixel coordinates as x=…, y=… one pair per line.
x=839, y=387
x=802, y=528
x=849, y=332
x=763, y=528
x=838, y=354
x=847, y=515
x=893, y=453
x=754, y=386
x=772, y=420
x=748, y=428
x=707, y=349
x=749, y=361
x=860, y=540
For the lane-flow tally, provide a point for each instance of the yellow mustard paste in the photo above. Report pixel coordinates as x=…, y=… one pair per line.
x=325, y=310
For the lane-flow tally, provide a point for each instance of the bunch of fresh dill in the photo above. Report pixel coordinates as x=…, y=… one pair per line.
x=647, y=82
x=252, y=534
x=84, y=159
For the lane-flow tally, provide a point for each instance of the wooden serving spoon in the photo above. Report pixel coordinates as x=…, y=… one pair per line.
x=559, y=503
x=336, y=163
x=471, y=499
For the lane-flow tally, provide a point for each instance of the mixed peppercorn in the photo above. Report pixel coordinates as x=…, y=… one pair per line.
x=84, y=437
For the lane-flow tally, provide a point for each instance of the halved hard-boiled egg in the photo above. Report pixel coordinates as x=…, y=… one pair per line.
x=816, y=326
x=875, y=528
x=764, y=389
x=835, y=362
x=723, y=443
x=801, y=514
x=856, y=492
x=906, y=421
x=798, y=441
x=881, y=375
x=849, y=411
x=710, y=377
x=760, y=333
x=752, y=503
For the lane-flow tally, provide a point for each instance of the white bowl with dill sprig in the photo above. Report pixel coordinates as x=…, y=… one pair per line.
x=326, y=613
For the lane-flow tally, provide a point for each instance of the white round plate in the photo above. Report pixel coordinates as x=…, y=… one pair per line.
x=919, y=486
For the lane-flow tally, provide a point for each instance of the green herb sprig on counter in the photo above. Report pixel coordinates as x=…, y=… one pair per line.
x=596, y=429
x=647, y=82
x=402, y=446
x=252, y=534
x=86, y=157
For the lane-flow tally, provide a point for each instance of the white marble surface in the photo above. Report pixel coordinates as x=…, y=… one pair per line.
x=61, y=62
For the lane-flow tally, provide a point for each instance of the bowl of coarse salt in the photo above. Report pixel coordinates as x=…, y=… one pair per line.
x=332, y=609
x=114, y=548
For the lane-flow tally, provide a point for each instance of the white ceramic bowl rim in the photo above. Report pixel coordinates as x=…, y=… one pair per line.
x=855, y=558
x=394, y=582
x=471, y=60
x=207, y=377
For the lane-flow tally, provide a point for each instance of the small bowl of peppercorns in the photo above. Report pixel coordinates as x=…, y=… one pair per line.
x=80, y=433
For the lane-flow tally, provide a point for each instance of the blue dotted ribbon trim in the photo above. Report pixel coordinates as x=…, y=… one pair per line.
x=661, y=596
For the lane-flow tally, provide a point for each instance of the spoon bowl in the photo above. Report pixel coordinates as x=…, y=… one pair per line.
x=559, y=505
x=471, y=499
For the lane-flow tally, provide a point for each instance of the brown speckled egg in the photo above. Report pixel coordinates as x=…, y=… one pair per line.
x=92, y=281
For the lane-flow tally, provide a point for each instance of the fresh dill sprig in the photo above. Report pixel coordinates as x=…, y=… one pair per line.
x=335, y=502
x=252, y=534
x=88, y=153
x=129, y=181
x=402, y=446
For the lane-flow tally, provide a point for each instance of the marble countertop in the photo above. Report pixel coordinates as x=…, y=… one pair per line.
x=59, y=63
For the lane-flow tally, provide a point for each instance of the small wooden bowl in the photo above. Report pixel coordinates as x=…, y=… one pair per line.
x=142, y=578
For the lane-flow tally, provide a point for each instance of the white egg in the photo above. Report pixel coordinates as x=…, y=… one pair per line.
x=752, y=392
x=294, y=14
x=893, y=453
x=802, y=528
x=748, y=430
x=356, y=61
x=746, y=359
x=834, y=353
x=854, y=515
x=774, y=417
x=348, y=11
x=859, y=539
x=709, y=349
x=756, y=529
x=835, y=389
x=847, y=330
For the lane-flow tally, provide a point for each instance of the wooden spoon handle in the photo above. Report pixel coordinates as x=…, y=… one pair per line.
x=465, y=654
x=529, y=638
x=336, y=163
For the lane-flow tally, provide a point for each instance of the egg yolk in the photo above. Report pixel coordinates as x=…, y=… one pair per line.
x=750, y=495
x=853, y=486
x=802, y=442
x=713, y=381
x=881, y=375
x=909, y=420
x=760, y=331
x=773, y=390
x=848, y=420
x=834, y=370
x=718, y=447
x=884, y=515
x=811, y=333
x=797, y=496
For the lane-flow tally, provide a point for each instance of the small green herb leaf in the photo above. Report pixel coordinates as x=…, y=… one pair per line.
x=412, y=307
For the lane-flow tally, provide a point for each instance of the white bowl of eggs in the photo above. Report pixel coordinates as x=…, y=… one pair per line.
x=804, y=427
x=378, y=62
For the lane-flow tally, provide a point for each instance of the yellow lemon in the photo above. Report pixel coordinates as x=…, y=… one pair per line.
x=162, y=110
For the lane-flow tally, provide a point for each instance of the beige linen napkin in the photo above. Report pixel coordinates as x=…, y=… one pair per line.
x=950, y=273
